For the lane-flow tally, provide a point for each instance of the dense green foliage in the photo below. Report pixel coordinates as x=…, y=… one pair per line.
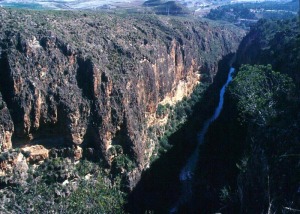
x=263, y=94
x=59, y=186
x=275, y=43
x=250, y=161
x=268, y=169
x=269, y=103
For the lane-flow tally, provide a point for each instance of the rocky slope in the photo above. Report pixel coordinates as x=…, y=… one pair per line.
x=96, y=79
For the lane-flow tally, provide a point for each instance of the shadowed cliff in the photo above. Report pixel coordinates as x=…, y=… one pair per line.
x=159, y=187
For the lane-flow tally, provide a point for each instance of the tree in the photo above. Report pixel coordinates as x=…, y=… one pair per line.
x=262, y=93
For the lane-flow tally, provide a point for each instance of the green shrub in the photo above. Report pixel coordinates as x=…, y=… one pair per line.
x=89, y=191
x=262, y=93
x=161, y=110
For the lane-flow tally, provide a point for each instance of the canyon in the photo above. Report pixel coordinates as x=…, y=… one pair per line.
x=116, y=112
x=95, y=80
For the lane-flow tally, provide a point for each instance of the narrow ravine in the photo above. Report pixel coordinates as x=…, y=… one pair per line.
x=187, y=172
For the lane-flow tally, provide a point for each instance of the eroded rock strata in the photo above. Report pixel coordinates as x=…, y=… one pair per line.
x=96, y=79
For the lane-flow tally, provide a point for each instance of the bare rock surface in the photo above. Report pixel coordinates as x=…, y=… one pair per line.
x=82, y=78
x=36, y=153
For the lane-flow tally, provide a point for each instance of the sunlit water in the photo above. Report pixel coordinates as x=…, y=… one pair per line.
x=186, y=174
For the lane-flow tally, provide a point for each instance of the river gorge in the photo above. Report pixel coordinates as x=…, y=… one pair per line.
x=127, y=113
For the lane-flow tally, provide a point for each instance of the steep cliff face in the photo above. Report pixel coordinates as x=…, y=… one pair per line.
x=96, y=79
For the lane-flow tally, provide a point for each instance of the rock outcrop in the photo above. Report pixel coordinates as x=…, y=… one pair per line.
x=36, y=153
x=6, y=126
x=93, y=79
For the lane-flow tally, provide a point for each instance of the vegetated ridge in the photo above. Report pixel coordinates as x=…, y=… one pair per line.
x=250, y=161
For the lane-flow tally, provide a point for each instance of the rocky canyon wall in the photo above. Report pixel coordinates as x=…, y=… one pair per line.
x=95, y=79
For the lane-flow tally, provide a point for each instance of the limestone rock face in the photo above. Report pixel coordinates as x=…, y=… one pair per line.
x=36, y=153
x=95, y=79
x=77, y=153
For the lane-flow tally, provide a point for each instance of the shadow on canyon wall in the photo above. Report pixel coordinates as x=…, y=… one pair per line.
x=159, y=187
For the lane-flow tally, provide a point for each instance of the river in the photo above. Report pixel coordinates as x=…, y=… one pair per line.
x=187, y=172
